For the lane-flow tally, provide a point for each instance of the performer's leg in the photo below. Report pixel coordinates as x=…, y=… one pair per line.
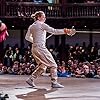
x=44, y=58
x=39, y=70
x=53, y=74
x=54, y=77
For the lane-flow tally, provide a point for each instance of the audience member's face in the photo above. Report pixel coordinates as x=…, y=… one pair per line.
x=28, y=70
x=92, y=67
x=98, y=71
x=86, y=69
x=78, y=71
x=4, y=68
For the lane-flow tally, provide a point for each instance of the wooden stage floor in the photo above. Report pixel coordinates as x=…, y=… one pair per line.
x=75, y=88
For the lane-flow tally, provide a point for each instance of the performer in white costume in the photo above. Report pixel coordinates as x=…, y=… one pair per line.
x=36, y=34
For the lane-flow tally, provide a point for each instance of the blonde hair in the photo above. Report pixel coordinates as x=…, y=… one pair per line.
x=37, y=14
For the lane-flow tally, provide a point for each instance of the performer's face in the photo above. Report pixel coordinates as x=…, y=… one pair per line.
x=42, y=18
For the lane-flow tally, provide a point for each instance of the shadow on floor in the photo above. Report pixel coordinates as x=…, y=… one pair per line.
x=39, y=94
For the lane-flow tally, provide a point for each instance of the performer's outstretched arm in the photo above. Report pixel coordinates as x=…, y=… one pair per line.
x=56, y=31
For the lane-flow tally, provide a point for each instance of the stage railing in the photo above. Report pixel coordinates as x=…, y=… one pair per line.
x=25, y=9
x=85, y=10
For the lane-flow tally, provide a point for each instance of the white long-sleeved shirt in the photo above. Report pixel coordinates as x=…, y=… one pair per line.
x=36, y=33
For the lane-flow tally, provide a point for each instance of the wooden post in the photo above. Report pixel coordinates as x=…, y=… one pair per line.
x=22, y=38
x=91, y=38
x=64, y=2
x=56, y=41
x=2, y=7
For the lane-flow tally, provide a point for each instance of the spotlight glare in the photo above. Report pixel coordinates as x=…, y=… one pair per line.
x=72, y=26
x=13, y=26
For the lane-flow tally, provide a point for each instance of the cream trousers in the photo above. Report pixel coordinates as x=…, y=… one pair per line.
x=44, y=59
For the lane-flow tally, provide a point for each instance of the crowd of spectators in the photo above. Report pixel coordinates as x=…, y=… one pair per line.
x=17, y=61
x=79, y=61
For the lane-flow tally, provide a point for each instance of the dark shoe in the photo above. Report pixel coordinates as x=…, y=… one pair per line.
x=56, y=85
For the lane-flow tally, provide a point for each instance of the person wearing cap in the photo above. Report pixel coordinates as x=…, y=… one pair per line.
x=36, y=34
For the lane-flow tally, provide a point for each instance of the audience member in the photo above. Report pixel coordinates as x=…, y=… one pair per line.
x=77, y=64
